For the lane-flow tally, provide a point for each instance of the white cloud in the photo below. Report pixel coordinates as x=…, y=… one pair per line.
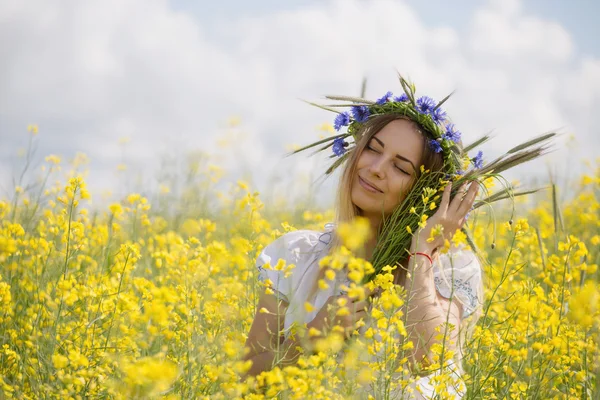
x=91, y=72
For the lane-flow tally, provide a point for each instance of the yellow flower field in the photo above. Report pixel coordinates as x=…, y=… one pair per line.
x=136, y=302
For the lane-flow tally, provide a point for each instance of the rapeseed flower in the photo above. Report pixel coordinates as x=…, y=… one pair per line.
x=129, y=301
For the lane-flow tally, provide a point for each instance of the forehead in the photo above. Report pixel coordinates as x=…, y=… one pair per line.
x=401, y=137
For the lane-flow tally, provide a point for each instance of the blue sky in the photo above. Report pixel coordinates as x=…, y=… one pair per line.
x=579, y=17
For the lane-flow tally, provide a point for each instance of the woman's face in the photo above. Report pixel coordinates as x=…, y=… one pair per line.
x=387, y=168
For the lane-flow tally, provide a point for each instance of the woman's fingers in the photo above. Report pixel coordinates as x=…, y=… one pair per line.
x=463, y=200
x=468, y=200
x=458, y=198
x=445, y=198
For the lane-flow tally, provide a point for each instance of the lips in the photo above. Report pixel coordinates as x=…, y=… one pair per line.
x=369, y=185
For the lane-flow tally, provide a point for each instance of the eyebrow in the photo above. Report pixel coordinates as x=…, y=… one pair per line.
x=397, y=155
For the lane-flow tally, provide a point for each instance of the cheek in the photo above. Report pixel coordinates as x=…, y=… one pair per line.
x=362, y=161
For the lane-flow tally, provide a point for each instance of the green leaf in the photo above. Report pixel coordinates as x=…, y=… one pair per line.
x=477, y=143
x=337, y=162
x=343, y=105
x=323, y=107
x=531, y=142
x=517, y=159
x=443, y=101
x=408, y=89
x=328, y=145
x=363, y=87
x=351, y=99
x=332, y=138
x=503, y=195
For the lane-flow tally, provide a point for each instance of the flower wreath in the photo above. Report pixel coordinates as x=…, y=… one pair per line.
x=443, y=137
x=424, y=111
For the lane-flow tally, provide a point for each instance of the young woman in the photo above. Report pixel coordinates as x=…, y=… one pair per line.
x=397, y=140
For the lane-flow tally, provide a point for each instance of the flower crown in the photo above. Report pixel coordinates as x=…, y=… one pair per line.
x=442, y=135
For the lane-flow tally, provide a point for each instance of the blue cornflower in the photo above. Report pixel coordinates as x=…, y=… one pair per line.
x=452, y=176
x=425, y=105
x=339, y=146
x=360, y=113
x=385, y=98
x=401, y=98
x=452, y=133
x=435, y=145
x=343, y=119
x=438, y=116
x=478, y=160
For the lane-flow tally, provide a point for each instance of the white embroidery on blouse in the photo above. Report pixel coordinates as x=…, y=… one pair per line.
x=261, y=270
x=462, y=287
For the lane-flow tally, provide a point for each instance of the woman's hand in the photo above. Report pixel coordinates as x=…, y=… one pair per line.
x=425, y=309
x=450, y=216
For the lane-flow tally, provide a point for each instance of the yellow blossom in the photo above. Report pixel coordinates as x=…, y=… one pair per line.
x=33, y=128
x=356, y=233
x=53, y=159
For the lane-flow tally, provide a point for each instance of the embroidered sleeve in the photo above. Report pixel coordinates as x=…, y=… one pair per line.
x=458, y=274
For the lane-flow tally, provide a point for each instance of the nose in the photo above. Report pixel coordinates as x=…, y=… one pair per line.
x=376, y=167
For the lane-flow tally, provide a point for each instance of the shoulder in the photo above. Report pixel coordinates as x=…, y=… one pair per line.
x=300, y=248
x=294, y=245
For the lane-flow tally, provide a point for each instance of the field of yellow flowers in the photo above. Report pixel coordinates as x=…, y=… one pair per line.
x=133, y=301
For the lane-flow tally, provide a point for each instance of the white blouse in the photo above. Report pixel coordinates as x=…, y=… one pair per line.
x=457, y=272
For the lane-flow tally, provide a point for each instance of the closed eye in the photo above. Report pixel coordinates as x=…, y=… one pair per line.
x=397, y=167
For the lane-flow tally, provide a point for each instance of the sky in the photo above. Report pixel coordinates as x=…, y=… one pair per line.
x=136, y=83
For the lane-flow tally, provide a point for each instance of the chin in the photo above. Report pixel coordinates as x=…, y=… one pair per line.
x=362, y=200
x=366, y=203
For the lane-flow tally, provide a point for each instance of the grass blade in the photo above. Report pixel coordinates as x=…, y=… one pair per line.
x=531, y=142
x=332, y=138
x=351, y=99
x=336, y=163
x=476, y=143
x=363, y=87
x=443, y=101
x=322, y=107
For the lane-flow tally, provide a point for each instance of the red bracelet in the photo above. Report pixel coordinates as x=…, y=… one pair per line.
x=422, y=254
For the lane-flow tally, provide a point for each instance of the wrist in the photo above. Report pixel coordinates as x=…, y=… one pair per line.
x=421, y=254
x=420, y=245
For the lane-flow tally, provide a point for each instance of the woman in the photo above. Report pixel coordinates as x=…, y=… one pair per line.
x=395, y=145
